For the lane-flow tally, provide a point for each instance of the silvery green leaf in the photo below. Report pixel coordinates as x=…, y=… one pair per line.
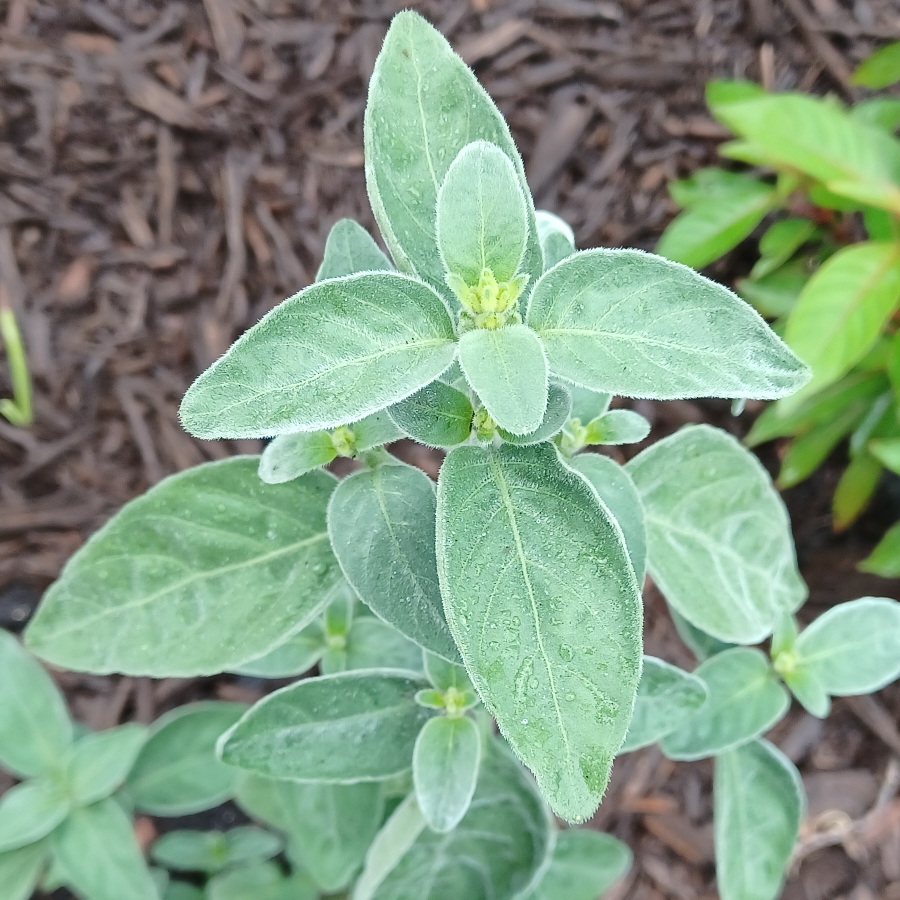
x=181, y=890
x=373, y=644
x=809, y=691
x=615, y=488
x=261, y=881
x=207, y=570
x=444, y=675
x=718, y=535
x=336, y=352
x=745, y=700
x=291, y=455
x=759, y=804
x=30, y=811
x=375, y=430
x=329, y=826
x=699, y=642
x=177, y=772
x=584, y=865
x=559, y=405
x=424, y=106
x=20, y=870
x=349, y=249
x=635, y=324
x=545, y=609
x=588, y=405
x=618, y=426
x=99, y=763
x=507, y=368
x=495, y=852
x=212, y=851
x=666, y=697
x=381, y=523
x=445, y=770
x=355, y=726
x=99, y=855
x=853, y=648
x=482, y=214
x=556, y=237
x=35, y=728
x=294, y=657
x=439, y=415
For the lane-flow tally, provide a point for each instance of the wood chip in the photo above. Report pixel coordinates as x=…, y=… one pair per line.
x=148, y=94
x=227, y=29
x=490, y=43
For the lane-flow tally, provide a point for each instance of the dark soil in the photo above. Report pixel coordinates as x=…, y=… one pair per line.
x=169, y=172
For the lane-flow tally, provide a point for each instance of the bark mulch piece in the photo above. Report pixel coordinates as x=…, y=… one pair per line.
x=169, y=172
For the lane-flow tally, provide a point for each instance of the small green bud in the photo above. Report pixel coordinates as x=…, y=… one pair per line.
x=483, y=425
x=785, y=663
x=344, y=441
x=488, y=304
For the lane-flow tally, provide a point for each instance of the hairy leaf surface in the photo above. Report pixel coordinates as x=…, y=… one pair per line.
x=205, y=571
x=545, y=609
x=350, y=249
x=556, y=237
x=559, y=406
x=634, y=324
x=336, y=352
x=439, y=415
x=718, y=536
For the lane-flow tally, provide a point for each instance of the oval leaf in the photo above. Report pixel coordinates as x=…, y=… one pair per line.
x=349, y=250
x=559, y=406
x=205, y=571
x=853, y=648
x=556, y=237
x=20, y=870
x=336, y=352
x=482, y=216
x=759, y=803
x=291, y=455
x=30, y=811
x=381, y=523
x=424, y=106
x=355, y=726
x=508, y=370
x=177, y=772
x=545, y=609
x=438, y=415
x=745, y=700
x=634, y=324
x=618, y=426
x=666, y=698
x=445, y=770
x=99, y=763
x=718, y=536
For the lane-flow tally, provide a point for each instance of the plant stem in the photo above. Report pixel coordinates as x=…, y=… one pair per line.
x=18, y=410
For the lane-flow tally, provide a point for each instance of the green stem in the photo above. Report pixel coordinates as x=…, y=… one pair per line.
x=18, y=410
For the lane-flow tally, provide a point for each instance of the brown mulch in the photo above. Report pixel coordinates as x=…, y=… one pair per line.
x=169, y=172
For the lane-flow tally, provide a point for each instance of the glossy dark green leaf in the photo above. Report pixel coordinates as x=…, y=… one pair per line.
x=719, y=543
x=355, y=726
x=381, y=523
x=438, y=415
x=349, y=250
x=424, y=106
x=177, y=772
x=545, y=609
x=205, y=571
x=745, y=700
x=780, y=242
x=642, y=326
x=336, y=352
x=710, y=184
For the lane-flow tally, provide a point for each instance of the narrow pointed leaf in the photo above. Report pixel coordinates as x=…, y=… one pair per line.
x=207, y=570
x=20, y=870
x=546, y=611
x=508, y=370
x=291, y=455
x=424, y=106
x=35, y=728
x=853, y=648
x=745, y=700
x=493, y=854
x=614, y=486
x=336, y=352
x=809, y=691
x=381, y=523
x=881, y=69
x=584, y=865
x=556, y=237
x=445, y=770
x=99, y=855
x=666, y=698
x=100, y=763
x=30, y=811
x=355, y=726
x=759, y=803
x=177, y=772
x=842, y=310
x=439, y=415
x=444, y=675
x=618, y=426
x=884, y=560
x=559, y=407
x=482, y=215
x=349, y=250
x=634, y=324
x=588, y=405
x=718, y=536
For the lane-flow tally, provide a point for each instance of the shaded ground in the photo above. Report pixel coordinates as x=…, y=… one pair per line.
x=169, y=172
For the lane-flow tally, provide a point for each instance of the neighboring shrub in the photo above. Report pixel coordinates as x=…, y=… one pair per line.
x=517, y=580
x=828, y=271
